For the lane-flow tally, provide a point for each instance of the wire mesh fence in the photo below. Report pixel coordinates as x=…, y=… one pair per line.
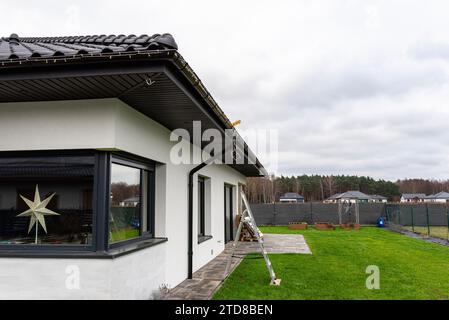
x=428, y=220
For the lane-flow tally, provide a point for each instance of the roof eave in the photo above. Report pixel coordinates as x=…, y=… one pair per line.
x=18, y=68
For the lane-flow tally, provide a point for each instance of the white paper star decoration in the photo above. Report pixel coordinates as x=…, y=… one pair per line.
x=37, y=211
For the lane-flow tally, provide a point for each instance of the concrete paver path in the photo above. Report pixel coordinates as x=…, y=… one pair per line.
x=208, y=279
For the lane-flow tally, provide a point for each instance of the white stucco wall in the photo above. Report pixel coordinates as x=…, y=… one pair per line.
x=112, y=125
x=135, y=276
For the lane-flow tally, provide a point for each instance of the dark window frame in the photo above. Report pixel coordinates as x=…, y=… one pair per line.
x=145, y=166
x=59, y=247
x=99, y=248
x=201, y=207
x=231, y=222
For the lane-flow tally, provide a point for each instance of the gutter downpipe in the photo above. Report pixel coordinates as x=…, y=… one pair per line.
x=190, y=241
x=203, y=164
x=194, y=170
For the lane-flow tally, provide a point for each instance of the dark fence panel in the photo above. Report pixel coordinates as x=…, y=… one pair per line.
x=263, y=213
x=283, y=213
x=325, y=212
x=438, y=215
x=401, y=214
x=370, y=212
x=420, y=215
x=427, y=220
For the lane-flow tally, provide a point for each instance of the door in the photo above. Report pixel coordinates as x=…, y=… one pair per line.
x=228, y=220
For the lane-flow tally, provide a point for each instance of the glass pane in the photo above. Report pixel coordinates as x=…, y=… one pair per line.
x=228, y=213
x=125, y=211
x=60, y=189
x=201, y=204
x=145, y=191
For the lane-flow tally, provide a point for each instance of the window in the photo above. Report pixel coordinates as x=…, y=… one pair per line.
x=204, y=218
x=228, y=212
x=72, y=201
x=131, y=209
x=201, y=207
x=61, y=187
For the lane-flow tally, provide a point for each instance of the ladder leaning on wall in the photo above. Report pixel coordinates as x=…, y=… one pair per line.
x=247, y=219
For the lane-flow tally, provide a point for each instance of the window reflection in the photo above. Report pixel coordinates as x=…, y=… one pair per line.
x=69, y=178
x=125, y=205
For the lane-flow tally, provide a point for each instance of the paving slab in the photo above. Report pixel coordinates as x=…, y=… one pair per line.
x=208, y=279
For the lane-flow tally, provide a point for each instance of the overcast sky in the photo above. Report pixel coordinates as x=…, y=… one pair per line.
x=353, y=87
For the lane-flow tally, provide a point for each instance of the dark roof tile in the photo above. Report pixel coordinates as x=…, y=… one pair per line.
x=18, y=48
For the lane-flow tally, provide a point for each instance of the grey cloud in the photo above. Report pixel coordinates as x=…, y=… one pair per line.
x=324, y=87
x=346, y=96
x=430, y=50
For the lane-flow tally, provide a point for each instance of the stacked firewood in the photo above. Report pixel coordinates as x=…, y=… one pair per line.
x=246, y=234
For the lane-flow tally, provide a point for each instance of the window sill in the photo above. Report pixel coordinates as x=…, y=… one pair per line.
x=111, y=254
x=201, y=239
x=136, y=246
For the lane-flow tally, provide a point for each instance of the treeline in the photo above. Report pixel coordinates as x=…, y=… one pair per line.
x=316, y=187
x=320, y=187
x=121, y=191
x=422, y=186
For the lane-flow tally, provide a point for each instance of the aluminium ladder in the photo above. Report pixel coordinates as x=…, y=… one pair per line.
x=247, y=218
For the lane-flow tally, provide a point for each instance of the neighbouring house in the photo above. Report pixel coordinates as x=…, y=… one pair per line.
x=291, y=197
x=130, y=202
x=377, y=198
x=86, y=125
x=413, y=197
x=440, y=197
x=348, y=196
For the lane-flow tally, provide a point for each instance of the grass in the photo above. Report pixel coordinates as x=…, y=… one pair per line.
x=409, y=268
x=123, y=234
x=438, y=232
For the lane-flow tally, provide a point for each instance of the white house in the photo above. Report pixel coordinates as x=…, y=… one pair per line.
x=86, y=123
x=413, y=197
x=440, y=197
x=377, y=198
x=130, y=202
x=348, y=196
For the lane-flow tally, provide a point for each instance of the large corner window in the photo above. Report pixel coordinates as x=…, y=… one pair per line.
x=46, y=200
x=131, y=210
x=71, y=201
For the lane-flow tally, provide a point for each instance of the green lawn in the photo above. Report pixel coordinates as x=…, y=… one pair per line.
x=123, y=234
x=409, y=268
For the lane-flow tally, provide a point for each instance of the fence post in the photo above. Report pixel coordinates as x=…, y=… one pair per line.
x=311, y=212
x=447, y=216
x=427, y=219
x=274, y=213
x=399, y=215
x=339, y=212
x=413, y=220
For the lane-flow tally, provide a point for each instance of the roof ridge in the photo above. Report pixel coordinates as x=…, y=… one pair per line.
x=14, y=48
x=165, y=39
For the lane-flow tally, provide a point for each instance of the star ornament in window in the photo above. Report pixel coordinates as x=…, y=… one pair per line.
x=37, y=210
